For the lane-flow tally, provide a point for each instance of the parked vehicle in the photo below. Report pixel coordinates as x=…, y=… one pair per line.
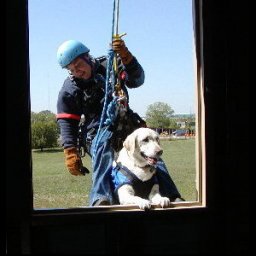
x=179, y=133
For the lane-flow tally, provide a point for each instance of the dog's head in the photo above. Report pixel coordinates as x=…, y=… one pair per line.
x=143, y=145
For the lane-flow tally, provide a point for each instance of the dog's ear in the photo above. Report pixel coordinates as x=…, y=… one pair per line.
x=130, y=142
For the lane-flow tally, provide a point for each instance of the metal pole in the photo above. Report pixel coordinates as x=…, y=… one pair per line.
x=116, y=17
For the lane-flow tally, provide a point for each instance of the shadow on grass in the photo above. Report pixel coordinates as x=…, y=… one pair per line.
x=47, y=150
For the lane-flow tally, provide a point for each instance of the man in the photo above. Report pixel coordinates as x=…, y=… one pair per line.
x=83, y=93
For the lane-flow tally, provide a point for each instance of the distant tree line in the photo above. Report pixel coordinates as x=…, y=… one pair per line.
x=46, y=134
x=160, y=116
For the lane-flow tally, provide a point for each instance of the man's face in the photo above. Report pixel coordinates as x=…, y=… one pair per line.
x=80, y=68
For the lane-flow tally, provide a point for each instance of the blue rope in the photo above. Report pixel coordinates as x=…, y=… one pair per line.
x=109, y=111
x=108, y=114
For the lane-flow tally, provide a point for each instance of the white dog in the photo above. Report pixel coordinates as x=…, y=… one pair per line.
x=134, y=171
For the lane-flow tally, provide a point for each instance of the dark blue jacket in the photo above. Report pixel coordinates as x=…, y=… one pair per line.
x=78, y=96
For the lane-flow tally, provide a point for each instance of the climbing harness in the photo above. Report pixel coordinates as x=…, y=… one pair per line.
x=115, y=100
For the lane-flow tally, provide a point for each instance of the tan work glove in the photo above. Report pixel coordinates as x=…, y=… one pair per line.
x=119, y=47
x=73, y=161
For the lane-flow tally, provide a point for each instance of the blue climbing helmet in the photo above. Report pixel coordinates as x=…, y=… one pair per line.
x=69, y=50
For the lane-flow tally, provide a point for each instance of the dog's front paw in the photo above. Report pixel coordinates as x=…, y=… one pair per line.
x=144, y=204
x=164, y=202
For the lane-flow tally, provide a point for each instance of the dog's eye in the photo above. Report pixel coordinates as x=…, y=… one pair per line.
x=145, y=140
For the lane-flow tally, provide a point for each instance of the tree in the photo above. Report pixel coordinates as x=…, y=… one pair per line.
x=158, y=115
x=43, y=116
x=173, y=124
x=44, y=130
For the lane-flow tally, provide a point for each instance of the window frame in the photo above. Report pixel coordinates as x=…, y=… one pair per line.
x=200, y=148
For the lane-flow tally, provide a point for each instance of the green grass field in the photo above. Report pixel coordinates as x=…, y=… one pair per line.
x=55, y=187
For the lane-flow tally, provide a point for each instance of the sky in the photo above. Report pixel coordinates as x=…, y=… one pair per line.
x=159, y=34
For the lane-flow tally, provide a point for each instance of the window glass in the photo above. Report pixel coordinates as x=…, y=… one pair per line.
x=161, y=38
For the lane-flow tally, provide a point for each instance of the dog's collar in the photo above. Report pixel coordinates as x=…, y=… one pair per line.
x=152, y=167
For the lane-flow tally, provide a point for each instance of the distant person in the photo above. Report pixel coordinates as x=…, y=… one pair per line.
x=83, y=93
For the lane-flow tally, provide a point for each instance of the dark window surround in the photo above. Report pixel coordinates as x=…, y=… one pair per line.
x=222, y=226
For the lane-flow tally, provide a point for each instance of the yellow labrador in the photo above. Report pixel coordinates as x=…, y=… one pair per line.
x=134, y=171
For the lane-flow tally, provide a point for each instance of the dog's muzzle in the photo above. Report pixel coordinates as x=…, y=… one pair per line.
x=151, y=160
